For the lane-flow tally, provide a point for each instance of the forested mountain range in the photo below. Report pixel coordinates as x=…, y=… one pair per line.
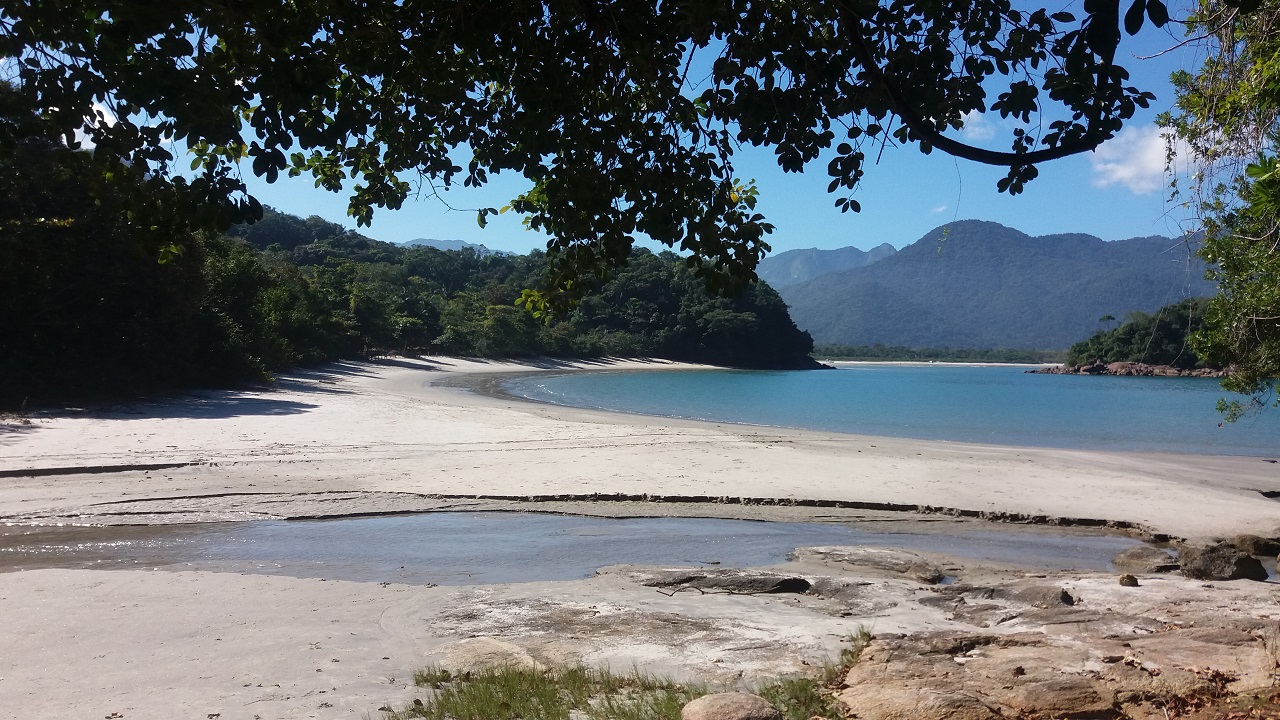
x=974, y=284
x=796, y=266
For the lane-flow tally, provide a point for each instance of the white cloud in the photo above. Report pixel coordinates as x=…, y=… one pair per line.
x=108, y=118
x=976, y=127
x=940, y=208
x=1135, y=158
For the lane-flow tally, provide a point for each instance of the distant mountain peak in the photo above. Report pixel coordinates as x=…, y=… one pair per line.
x=450, y=245
x=979, y=284
x=797, y=266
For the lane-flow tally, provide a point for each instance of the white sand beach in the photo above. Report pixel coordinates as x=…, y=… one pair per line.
x=386, y=429
x=363, y=437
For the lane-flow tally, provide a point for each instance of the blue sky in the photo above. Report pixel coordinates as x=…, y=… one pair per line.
x=1116, y=192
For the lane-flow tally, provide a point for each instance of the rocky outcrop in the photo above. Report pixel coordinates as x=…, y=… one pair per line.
x=897, y=562
x=1255, y=545
x=730, y=706
x=1220, y=562
x=1129, y=369
x=963, y=676
x=1145, y=559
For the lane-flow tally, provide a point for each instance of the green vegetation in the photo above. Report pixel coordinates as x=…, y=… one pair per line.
x=516, y=693
x=525, y=694
x=898, y=353
x=94, y=314
x=591, y=103
x=1229, y=116
x=1159, y=338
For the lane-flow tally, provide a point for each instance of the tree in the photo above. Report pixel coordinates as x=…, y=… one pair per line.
x=1229, y=116
x=601, y=106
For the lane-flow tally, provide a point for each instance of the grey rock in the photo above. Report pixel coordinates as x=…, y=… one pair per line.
x=1255, y=545
x=1145, y=559
x=1220, y=562
x=730, y=580
x=1038, y=596
x=730, y=706
x=900, y=562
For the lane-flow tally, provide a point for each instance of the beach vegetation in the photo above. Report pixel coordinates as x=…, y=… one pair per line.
x=511, y=693
x=1228, y=119
x=1159, y=338
x=507, y=693
x=94, y=315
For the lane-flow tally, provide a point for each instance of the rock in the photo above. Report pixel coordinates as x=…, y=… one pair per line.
x=730, y=706
x=484, y=653
x=1038, y=596
x=1220, y=562
x=732, y=580
x=1128, y=580
x=1255, y=545
x=900, y=562
x=1057, y=697
x=1145, y=559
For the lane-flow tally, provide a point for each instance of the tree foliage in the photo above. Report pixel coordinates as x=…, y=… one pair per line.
x=1229, y=115
x=1159, y=338
x=623, y=117
x=93, y=314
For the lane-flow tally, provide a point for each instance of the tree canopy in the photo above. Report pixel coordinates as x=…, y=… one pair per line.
x=1229, y=116
x=1159, y=338
x=623, y=116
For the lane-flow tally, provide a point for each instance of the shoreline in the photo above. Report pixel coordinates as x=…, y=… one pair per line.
x=491, y=385
x=404, y=429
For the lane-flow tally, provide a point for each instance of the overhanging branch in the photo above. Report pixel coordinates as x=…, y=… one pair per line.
x=930, y=132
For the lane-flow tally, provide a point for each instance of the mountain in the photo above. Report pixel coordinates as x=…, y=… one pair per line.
x=974, y=284
x=797, y=266
x=450, y=245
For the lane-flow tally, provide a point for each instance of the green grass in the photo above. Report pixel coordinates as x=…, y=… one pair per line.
x=525, y=694
x=516, y=693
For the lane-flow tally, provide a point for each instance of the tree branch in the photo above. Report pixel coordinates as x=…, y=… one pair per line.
x=930, y=132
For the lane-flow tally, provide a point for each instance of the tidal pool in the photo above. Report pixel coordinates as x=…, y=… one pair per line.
x=452, y=548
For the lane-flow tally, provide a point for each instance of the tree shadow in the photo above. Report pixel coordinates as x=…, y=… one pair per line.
x=208, y=406
x=12, y=431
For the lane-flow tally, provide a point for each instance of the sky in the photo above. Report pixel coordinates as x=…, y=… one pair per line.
x=1118, y=191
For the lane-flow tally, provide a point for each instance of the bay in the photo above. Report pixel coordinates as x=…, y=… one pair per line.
x=1000, y=405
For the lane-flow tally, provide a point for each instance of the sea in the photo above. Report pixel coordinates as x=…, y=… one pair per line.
x=994, y=404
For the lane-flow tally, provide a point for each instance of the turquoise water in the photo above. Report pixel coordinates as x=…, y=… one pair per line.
x=999, y=405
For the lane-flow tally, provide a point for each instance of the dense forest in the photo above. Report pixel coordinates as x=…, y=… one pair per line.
x=1158, y=338
x=104, y=299
x=893, y=353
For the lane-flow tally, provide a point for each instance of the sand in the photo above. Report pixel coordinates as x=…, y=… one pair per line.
x=361, y=438
x=385, y=430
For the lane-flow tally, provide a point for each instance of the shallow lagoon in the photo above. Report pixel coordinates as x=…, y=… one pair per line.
x=451, y=548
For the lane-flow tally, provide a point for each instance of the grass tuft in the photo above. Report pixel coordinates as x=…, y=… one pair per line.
x=582, y=693
x=515, y=693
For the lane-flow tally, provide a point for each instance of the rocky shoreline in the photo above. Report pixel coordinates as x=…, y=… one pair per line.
x=1129, y=369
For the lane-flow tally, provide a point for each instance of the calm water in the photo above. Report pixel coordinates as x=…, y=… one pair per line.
x=465, y=548
x=1000, y=405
